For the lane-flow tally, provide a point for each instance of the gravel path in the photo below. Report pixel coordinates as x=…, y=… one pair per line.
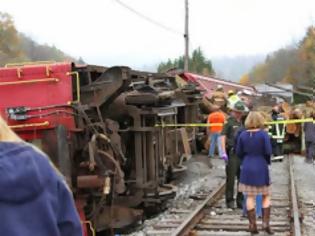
x=198, y=179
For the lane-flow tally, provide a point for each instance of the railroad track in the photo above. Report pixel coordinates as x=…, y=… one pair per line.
x=210, y=217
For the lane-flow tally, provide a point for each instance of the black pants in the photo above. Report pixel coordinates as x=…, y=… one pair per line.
x=310, y=151
x=277, y=148
x=232, y=170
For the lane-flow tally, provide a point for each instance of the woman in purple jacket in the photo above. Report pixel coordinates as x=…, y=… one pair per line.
x=254, y=148
x=34, y=198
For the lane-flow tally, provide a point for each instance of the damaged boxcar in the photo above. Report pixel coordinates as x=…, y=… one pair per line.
x=98, y=126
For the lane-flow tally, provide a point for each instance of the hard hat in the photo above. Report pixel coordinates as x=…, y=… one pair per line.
x=219, y=87
x=247, y=92
x=215, y=107
x=230, y=92
x=239, y=107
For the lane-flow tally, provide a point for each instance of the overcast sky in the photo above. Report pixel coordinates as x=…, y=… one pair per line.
x=104, y=32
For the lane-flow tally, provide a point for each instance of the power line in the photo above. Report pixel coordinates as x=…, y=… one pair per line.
x=148, y=18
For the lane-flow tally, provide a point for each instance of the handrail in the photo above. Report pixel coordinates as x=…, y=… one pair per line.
x=19, y=65
x=29, y=63
x=18, y=72
x=45, y=123
x=89, y=223
x=77, y=78
x=29, y=81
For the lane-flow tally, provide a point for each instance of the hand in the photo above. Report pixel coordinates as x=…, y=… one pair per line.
x=225, y=157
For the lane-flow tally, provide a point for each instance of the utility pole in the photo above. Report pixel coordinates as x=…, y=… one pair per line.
x=186, y=37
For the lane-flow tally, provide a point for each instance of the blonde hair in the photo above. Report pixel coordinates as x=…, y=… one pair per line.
x=7, y=134
x=254, y=120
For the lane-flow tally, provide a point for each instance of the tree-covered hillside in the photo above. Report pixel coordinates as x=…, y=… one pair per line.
x=295, y=64
x=198, y=63
x=16, y=47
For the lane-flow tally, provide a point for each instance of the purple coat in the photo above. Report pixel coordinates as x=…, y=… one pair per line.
x=254, y=149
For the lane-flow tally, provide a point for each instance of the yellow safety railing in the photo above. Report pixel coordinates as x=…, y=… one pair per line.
x=18, y=72
x=89, y=223
x=29, y=63
x=21, y=64
x=45, y=123
x=77, y=78
x=29, y=81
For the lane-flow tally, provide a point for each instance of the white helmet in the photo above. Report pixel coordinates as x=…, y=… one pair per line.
x=219, y=87
x=247, y=92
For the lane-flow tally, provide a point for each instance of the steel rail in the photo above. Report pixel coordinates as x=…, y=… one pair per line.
x=197, y=215
x=294, y=203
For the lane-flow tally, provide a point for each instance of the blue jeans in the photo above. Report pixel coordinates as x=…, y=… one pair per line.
x=215, y=138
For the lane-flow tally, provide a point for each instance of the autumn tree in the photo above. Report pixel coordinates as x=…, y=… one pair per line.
x=16, y=47
x=10, y=44
x=198, y=63
x=276, y=66
x=295, y=65
x=304, y=72
x=42, y=52
x=245, y=80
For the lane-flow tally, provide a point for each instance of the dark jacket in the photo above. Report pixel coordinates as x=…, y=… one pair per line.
x=309, y=129
x=34, y=199
x=230, y=130
x=238, y=133
x=276, y=117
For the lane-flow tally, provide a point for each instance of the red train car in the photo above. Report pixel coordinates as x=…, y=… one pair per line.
x=97, y=125
x=44, y=92
x=209, y=84
x=36, y=101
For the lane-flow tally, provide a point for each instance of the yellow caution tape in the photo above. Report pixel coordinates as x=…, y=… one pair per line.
x=293, y=121
x=189, y=125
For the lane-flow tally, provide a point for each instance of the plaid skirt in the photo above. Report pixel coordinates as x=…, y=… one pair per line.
x=254, y=190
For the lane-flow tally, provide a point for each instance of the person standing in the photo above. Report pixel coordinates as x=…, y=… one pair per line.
x=309, y=130
x=277, y=132
x=258, y=197
x=229, y=132
x=254, y=148
x=232, y=99
x=218, y=97
x=216, y=119
x=34, y=197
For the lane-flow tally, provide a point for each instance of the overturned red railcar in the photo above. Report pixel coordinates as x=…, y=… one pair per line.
x=98, y=126
x=209, y=84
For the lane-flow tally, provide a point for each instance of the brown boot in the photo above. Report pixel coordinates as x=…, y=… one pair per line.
x=251, y=214
x=266, y=221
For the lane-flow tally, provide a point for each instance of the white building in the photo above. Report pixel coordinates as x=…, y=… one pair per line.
x=277, y=91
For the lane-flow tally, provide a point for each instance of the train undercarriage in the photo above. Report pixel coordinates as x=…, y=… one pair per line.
x=99, y=126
